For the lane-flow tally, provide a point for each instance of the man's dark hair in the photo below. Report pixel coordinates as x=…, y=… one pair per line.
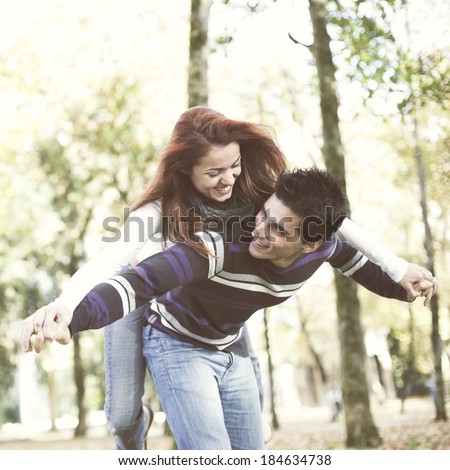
x=316, y=197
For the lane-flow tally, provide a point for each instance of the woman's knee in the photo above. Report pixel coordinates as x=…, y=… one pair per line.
x=121, y=417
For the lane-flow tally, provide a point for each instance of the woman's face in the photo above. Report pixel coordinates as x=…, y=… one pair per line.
x=216, y=172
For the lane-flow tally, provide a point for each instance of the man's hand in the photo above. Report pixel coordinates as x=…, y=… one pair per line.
x=48, y=323
x=419, y=282
x=60, y=334
x=56, y=322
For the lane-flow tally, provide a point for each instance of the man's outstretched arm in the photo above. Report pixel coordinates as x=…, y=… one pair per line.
x=111, y=300
x=411, y=277
x=417, y=282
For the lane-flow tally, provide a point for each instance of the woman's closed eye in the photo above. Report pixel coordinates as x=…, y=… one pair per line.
x=237, y=164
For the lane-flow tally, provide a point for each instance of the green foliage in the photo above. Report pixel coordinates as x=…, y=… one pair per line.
x=93, y=153
x=426, y=77
x=363, y=35
x=6, y=370
x=93, y=161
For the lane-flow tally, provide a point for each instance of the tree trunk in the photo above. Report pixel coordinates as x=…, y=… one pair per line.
x=275, y=422
x=312, y=349
x=198, y=53
x=79, y=382
x=361, y=430
x=78, y=369
x=441, y=414
x=52, y=394
x=198, y=68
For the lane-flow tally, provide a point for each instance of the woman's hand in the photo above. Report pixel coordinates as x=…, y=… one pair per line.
x=49, y=323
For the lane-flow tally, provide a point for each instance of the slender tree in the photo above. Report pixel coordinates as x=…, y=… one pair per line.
x=198, y=53
x=361, y=430
x=436, y=340
x=275, y=422
x=416, y=92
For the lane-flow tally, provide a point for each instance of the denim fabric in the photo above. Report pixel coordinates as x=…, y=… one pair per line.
x=211, y=398
x=125, y=375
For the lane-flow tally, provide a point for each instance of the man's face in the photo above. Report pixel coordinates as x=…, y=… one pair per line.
x=276, y=236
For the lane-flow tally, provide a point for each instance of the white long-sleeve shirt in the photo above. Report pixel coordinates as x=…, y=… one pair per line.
x=358, y=238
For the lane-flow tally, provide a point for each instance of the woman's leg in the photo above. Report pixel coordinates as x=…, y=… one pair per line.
x=125, y=375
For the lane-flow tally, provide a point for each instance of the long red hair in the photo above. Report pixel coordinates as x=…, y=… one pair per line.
x=196, y=131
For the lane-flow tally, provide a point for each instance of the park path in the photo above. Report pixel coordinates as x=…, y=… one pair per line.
x=310, y=429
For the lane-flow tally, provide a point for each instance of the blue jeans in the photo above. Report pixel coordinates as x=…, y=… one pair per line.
x=125, y=375
x=211, y=398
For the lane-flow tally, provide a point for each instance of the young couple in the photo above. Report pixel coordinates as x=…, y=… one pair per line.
x=210, y=278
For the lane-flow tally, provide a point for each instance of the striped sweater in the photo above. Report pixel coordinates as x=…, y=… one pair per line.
x=207, y=301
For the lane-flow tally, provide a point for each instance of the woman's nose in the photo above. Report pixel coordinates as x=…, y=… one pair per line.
x=229, y=177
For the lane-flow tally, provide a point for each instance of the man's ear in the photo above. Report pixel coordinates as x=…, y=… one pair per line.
x=310, y=247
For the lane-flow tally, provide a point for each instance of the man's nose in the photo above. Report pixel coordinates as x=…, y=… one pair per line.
x=259, y=229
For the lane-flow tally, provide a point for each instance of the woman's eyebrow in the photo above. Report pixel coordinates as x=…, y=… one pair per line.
x=218, y=169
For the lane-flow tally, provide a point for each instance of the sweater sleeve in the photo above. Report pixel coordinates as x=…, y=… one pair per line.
x=111, y=300
x=142, y=227
x=354, y=264
x=355, y=236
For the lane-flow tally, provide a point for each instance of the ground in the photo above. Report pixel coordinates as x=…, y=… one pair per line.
x=309, y=429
